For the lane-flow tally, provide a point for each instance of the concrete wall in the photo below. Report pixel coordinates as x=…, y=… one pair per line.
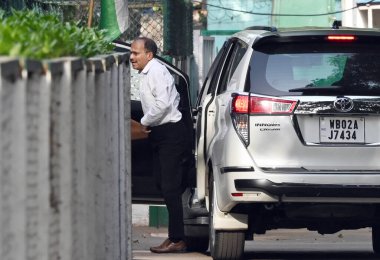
x=222, y=17
x=140, y=215
x=225, y=17
x=305, y=7
x=65, y=159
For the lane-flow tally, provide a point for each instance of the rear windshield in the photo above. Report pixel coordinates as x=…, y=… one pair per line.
x=281, y=69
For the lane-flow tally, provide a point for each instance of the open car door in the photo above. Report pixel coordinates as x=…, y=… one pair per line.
x=144, y=188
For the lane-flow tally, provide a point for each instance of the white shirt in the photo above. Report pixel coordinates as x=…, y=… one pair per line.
x=159, y=97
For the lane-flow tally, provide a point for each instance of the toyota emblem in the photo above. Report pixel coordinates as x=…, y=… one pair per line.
x=343, y=104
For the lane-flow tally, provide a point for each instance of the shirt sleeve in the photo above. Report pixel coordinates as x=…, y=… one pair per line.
x=160, y=83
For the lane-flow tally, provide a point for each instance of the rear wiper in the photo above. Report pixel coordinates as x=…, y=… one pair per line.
x=317, y=89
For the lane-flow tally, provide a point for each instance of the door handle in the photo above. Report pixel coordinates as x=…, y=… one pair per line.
x=211, y=112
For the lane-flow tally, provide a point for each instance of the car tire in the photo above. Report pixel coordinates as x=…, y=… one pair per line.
x=223, y=244
x=376, y=239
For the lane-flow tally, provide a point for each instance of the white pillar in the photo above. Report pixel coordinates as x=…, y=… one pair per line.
x=348, y=17
x=370, y=17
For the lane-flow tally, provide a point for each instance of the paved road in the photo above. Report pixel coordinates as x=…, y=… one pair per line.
x=275, y=245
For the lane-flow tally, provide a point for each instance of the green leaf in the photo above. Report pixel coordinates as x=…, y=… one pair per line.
x=41, y=36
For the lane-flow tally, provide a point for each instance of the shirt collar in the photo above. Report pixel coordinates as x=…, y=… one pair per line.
x=148, y=66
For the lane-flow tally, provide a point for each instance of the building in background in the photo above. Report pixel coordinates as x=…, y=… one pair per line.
x=225, y=17
x=362, y=13
x=322, y=14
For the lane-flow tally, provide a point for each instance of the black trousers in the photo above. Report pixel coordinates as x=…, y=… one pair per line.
x=168, y=143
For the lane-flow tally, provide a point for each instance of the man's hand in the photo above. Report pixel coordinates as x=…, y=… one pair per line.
x=137, y=131
x=145, y=129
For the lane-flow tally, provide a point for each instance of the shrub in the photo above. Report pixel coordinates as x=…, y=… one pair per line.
x=30, y=34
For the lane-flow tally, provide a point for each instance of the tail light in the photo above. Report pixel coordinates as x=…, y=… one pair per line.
x=341, y=38
x=242, y=106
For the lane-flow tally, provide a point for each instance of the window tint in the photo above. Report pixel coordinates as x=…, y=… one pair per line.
x=206, y=87
x=237, y=53
x=221, y=66
x=309, y=67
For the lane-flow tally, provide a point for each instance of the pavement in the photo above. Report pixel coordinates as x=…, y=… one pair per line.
x=282, y=243
x=143, y=237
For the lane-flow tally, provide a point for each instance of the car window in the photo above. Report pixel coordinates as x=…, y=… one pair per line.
x=206, y=87
x=221, y=66
x=237, y=53
x=281, y=70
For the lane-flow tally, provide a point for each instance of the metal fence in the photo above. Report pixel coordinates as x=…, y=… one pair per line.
x=146, y=19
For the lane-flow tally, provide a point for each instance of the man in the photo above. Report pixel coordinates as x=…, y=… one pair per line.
x=162, y=121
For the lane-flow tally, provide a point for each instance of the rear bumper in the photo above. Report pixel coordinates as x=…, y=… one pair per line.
x=308, y=190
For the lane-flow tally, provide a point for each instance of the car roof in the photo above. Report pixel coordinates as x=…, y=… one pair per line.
x=249, y=35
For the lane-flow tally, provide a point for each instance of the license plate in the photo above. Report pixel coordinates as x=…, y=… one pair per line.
x=341, y=129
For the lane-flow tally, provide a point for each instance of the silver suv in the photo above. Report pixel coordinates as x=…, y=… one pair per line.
x=288, y=135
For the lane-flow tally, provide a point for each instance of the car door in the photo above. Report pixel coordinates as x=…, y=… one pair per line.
x=144, y=188
x=205, y=117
